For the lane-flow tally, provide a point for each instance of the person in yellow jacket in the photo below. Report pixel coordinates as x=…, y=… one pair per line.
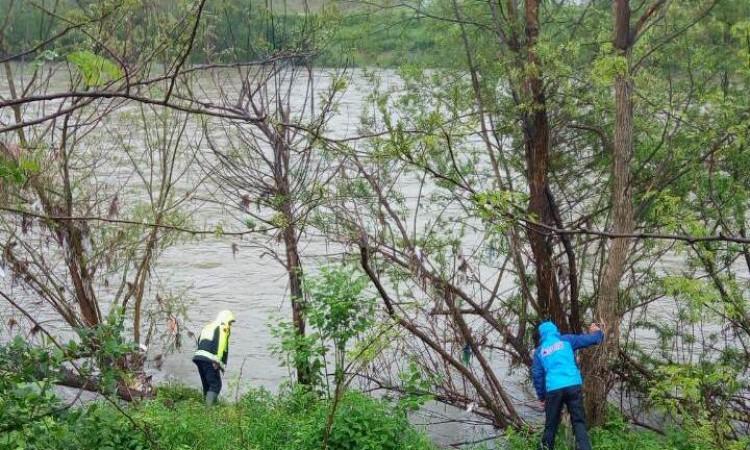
x=212, y=353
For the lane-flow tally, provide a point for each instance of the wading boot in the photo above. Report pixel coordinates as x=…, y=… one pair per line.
x=211, y=398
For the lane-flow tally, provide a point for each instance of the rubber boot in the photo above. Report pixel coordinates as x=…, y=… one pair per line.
x=211, y=398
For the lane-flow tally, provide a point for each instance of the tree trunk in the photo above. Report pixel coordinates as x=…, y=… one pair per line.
x=282, y=151
x=72, y=232
x=599, y=377
x=294, y=271
x=140, y=281
x=537, y=143
x=75, y=257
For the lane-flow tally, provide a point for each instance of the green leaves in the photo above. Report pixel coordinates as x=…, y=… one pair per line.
x=293, y=419
x=699, y=394
x=28, y=375
x=18, y=171
x=337, y=312
x=94, y=69
x=416, y=388
x=607, y=68
x=336, y=307
x=500, y=207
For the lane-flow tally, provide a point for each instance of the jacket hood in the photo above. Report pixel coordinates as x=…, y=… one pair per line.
x=225, y=317
x=548, y=329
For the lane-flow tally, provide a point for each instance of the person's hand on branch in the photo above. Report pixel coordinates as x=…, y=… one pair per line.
x=594, y=327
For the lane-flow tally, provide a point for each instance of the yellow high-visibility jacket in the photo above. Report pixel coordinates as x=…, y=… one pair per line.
x=213, y=344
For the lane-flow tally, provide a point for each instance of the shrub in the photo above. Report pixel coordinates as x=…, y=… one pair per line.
x=292, y=420
x=96, y=426
x=616, y=434
x=368, y=424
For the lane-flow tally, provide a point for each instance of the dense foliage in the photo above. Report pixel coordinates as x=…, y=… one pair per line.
x=179, y=420
x=293, y=420
x=520, y=142
x=250, y=30
x=574, y=160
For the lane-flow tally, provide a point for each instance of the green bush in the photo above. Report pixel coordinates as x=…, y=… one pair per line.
x=617, y=434
x=293, y=420
x=367, y=424
x=178, y=420
x=96, y=426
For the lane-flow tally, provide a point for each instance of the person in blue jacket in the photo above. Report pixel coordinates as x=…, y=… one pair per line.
x=558, y=381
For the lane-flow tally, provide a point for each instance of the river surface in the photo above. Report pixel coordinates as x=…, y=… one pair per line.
x=211, y=276
x=255, y=287
x=214, y=273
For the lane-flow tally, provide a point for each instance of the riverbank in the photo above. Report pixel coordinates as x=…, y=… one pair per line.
x=293, y=420
x=350, y=37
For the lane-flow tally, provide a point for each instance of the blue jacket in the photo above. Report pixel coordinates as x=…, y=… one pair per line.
x=554, y=365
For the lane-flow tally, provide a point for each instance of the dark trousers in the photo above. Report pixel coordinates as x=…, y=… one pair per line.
x=210, y=376
x=572, y=397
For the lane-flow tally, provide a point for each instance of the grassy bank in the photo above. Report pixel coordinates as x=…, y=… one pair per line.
x=615, y=435
x=386, y=39
x=177, y=420
x=244, y=31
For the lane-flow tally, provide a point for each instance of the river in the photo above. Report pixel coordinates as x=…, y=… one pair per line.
x=255, y=287
x=214, y=273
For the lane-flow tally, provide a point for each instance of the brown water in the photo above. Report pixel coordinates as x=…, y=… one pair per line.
x=213, y=277
x=206, y=271
x=254, y=287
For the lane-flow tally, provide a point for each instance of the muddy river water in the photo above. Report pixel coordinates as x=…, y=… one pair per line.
x=211, y=275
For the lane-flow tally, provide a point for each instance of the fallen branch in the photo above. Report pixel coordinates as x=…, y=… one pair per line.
x=70, y=378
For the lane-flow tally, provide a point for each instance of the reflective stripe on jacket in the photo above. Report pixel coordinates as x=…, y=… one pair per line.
x=213, y=344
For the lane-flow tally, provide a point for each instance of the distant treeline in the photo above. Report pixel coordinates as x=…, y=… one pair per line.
x=233, y=30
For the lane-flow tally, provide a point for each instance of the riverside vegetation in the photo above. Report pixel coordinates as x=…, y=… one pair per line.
x=573, y=160
x=34, y=417
x=292, y=420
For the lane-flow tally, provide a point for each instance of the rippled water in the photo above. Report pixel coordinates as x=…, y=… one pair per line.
x=206, y=271
x=254, y=287
x=214, y=277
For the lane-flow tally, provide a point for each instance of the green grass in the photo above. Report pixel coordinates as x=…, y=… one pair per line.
x=293, y=420
x=615, y=435
x=178, y=420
